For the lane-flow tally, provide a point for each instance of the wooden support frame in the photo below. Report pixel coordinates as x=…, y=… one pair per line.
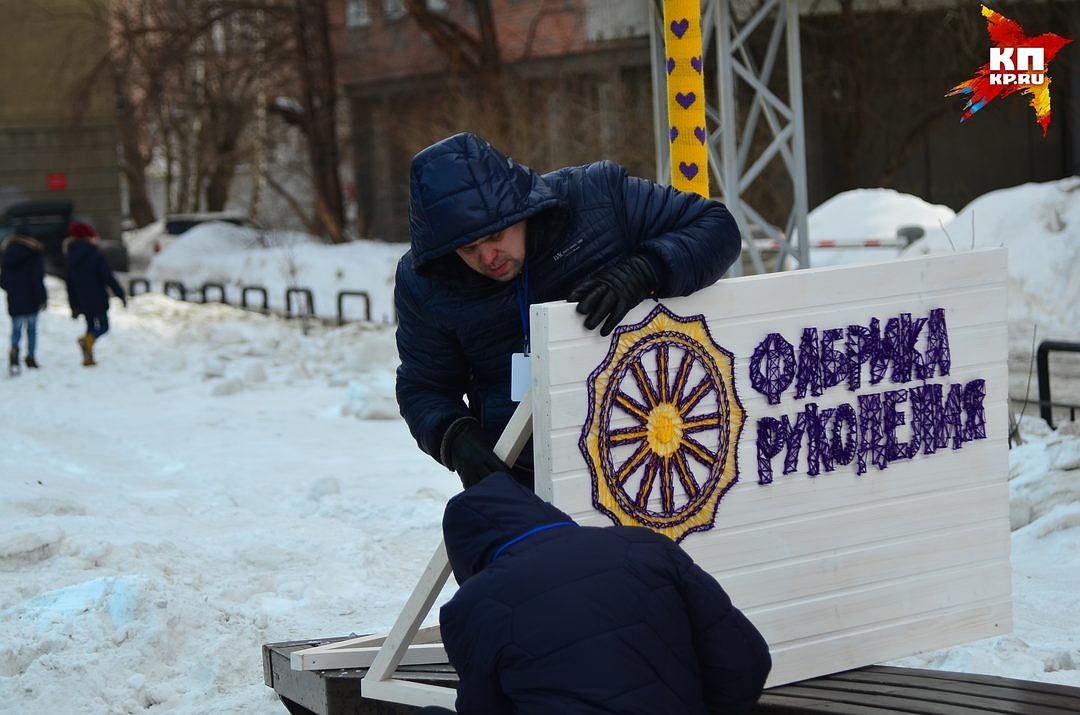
x=407, y=643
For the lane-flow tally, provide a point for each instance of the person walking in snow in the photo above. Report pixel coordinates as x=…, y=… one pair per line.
x=553, y=617
x=88, y=278
x=491, y=236
x=22, y=276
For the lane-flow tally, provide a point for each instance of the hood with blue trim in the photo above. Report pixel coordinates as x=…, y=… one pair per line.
x=485, y=517
x=461, y=189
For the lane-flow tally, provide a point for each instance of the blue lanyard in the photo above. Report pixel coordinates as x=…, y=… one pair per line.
x=522, y=290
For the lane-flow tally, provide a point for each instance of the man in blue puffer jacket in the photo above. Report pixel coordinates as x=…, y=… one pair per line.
x=489, y=238
x=552, y=617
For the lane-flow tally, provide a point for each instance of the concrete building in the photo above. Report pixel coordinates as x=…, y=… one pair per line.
x=573, y=86
x=875, y=73
x=57, y=132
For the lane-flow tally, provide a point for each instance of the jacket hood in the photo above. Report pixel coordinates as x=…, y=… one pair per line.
x=18, y=250
x=461, y=189
x=486, y=517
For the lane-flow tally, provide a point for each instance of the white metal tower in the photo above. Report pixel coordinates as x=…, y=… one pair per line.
x=726, y=26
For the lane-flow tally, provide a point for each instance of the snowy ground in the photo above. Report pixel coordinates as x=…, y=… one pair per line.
x=219, y=481
x=223, y=480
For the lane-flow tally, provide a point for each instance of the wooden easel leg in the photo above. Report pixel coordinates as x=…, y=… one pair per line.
x=377, y=683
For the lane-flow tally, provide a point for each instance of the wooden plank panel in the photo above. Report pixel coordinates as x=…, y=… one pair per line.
x=922, y=593
x=565, y=456
x=823, y=531
x=570, y=404
x=815, y=289
x=838, y=570
x=966, y=313
x=573, y=485
x=849, y=567
x=842, y=651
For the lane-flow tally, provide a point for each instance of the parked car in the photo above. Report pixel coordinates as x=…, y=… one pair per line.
x=146, y=242
x=48, y=222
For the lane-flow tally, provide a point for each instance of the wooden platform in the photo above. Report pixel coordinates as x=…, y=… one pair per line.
x=881, y=689
x=874, y=690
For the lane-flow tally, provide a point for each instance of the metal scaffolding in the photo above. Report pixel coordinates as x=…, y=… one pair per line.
x=733, y=168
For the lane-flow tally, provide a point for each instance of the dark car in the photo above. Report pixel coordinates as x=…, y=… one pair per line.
x=48, y=222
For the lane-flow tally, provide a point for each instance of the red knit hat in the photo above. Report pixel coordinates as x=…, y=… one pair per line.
x=81, y=231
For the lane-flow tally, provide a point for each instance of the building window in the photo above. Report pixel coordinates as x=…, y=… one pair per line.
x=393, y=9
x=357, y=14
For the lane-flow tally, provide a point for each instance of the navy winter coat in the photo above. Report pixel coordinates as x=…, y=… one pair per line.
x=457, y=329
x=88, y=275
x=552, y=617
x=22, y=275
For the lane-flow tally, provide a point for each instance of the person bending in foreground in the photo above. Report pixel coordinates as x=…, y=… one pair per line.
x=552, y=617
x=491, y=236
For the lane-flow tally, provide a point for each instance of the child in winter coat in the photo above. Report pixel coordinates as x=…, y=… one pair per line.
x=88, y=276
x=22, y=276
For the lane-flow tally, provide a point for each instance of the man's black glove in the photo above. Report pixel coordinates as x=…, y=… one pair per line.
x=468, y=450
x=612, y=292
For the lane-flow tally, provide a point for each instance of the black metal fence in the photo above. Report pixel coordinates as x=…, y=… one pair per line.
x=300, y=297
x=1042, y=363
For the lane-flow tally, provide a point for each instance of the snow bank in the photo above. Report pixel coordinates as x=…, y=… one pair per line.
x=1040, y=226
x=862, y=214
x=278, y=260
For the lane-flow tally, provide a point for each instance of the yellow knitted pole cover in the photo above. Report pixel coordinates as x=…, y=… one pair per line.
x=686, y=96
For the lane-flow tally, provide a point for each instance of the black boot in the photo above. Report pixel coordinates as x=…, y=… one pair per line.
x=13, y=361
x=31, y=362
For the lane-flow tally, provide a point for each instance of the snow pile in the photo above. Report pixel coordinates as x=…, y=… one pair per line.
x=868, y=214
x=220, y=480
x=1040, y=225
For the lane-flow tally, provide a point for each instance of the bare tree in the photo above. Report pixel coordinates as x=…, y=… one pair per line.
x=473, y=56
x=318, y=87
x=190, y=78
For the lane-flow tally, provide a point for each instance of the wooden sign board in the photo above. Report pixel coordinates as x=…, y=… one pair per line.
x=830, y=444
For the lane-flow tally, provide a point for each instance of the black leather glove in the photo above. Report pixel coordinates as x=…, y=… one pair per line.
x=468, y=450
x=613, y=292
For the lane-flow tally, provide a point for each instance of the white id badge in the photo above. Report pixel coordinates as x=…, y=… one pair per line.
x=520, y=376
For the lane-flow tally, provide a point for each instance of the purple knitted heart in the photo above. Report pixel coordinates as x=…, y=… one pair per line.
x=670, y=65
x=695, y=62
x=679, y=28
x=688, y=170
x=674, y=133
x=685, y=100
x=699, y=132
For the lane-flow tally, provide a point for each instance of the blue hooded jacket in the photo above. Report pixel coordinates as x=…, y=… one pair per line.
x=457, y=329
x=552, y=617
x=22, y=275
x=88, y=276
